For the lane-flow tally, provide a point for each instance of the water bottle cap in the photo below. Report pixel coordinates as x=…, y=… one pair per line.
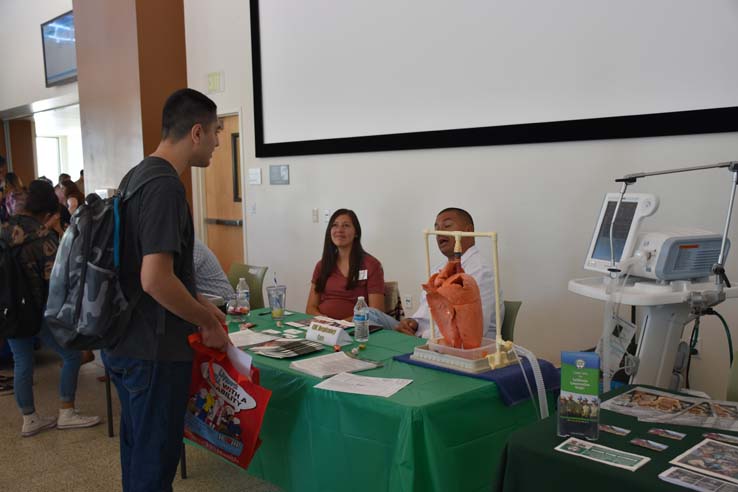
x=361, y=298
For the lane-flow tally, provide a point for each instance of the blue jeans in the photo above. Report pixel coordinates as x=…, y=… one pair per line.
x=153, y=400
x=379, y=318
x=23, y=361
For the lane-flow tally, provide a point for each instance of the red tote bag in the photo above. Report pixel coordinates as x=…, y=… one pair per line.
x=226, y=408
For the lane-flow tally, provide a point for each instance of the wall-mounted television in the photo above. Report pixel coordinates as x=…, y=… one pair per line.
x=60, y=54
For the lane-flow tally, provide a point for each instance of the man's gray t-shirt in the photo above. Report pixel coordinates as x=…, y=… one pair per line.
x=157, y=219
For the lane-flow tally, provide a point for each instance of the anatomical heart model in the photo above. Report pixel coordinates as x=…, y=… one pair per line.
x=456, y=306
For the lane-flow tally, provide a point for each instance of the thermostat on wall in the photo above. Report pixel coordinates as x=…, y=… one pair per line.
x=279, y=174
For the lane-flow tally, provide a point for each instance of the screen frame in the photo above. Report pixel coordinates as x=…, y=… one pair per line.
x=713, y=120
x=66, y=80
x=647, y=204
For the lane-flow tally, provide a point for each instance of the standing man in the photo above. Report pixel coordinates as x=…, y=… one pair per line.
x=152, y=363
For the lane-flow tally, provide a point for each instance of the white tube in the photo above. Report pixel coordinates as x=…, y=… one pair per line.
x=538, y=375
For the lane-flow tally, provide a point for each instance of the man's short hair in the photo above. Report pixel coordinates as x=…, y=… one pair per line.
x=184, y=109
x=64, y=177
x=466, y=216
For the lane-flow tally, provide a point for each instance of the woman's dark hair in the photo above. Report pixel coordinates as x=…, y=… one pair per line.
x=71, y=191
x=41, y=198
x=13, y=181
x=330, y=253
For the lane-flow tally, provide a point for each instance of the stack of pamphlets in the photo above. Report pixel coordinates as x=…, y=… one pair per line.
x=328, y=365
x=696, y=481
x=287, y=348
x=710, y=466
x=650, y=405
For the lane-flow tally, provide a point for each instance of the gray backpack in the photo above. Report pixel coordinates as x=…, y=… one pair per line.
x=86, y=308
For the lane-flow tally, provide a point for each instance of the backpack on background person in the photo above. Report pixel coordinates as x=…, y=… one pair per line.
x=20, y=317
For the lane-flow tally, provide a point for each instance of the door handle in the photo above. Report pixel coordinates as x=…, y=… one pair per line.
x=225, y=222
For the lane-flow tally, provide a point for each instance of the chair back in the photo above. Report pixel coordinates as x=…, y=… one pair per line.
x=508, y=323
x=254, y=276
x=393, y=301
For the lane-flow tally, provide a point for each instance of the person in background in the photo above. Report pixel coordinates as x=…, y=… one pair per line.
x=13, y=184
x=81, y=182
x=345, y=271
x=64, y=177
x=3, y=172
x=450, y=219
x=209, y=276
x=38, y=246
x=72, y=196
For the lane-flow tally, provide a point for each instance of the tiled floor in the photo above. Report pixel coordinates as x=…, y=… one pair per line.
x=84, y=460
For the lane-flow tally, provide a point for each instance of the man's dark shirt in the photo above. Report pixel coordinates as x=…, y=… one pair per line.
x=157, y=219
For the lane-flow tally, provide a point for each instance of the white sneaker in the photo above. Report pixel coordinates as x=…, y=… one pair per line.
x=69, y=418
x=34, y=423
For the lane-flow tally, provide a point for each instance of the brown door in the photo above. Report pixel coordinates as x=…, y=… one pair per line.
x=222, y=185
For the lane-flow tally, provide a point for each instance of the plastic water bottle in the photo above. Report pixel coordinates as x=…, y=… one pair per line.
x=361, y=321
x=240, y=306
x=242, y=289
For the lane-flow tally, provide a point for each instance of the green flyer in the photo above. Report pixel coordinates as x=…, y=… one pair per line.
x=579, y=402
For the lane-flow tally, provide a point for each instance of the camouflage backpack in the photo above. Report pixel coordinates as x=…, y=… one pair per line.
x=87, y=308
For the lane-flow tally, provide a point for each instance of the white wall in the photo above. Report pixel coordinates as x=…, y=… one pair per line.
x=543, y=199
x=21, y=56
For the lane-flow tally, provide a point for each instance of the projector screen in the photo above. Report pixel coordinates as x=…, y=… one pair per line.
x=333, y=76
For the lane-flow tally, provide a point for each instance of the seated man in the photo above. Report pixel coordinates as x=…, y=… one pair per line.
x=450, y=219
x=209, y=276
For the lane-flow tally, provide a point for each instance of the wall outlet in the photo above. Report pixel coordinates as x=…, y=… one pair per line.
x=316, y=216
x=407, y=302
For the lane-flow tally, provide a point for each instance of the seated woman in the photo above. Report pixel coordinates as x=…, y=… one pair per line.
x=345, y=272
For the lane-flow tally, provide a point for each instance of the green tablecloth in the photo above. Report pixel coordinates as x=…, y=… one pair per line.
x=530, y=462
x=442, y=432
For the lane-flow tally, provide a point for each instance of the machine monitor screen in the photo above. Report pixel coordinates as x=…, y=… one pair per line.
x=620, y=230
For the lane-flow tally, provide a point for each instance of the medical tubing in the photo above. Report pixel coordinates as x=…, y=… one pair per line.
x=538, y=376
x=530, y=391
x=692, y=344
x=727, y=334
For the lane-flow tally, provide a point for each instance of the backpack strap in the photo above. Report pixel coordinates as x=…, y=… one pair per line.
x=140, y=176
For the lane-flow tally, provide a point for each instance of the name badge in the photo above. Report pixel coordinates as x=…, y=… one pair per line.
x=327, y=335
x=363, y=275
